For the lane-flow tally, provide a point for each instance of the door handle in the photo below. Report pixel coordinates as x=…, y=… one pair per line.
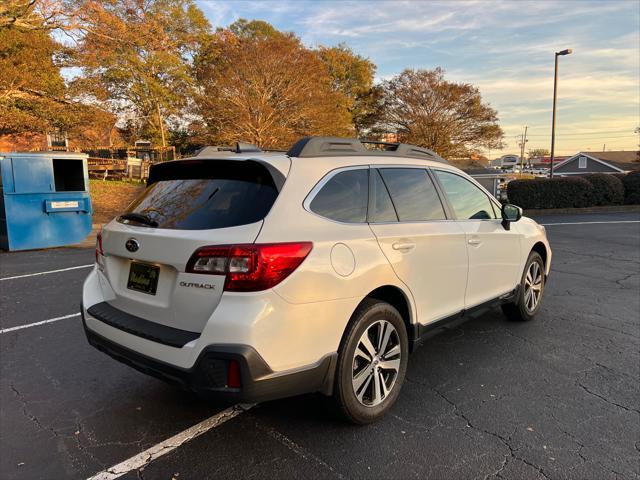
x=403, y=246
x=474, y=241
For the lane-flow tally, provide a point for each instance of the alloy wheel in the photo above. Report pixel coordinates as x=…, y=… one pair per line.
x=533, y=284
x=376, y=363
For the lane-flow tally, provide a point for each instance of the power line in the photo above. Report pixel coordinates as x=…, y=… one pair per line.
x=583, y=133
x=606, y=136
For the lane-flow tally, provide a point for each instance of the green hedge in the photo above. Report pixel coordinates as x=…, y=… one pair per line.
x=572, y=192
x=559, y=192
x=631, y=184
x=607, y=189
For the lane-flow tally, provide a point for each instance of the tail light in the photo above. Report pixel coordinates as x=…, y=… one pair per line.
x=99, y=251
x=249, y=267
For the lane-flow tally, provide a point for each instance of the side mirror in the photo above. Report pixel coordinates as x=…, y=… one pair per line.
x=510, y=213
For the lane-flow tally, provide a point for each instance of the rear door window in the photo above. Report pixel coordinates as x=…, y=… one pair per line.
x=413, y=194
x=344, y=197
x=206, y=194
x=382, y=207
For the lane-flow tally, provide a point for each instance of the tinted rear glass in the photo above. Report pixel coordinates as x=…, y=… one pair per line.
x=383, y=210
x=199, y=195
x=413, y=194
x=344, y=197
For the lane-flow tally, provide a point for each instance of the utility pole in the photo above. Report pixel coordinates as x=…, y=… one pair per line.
x=522, y=144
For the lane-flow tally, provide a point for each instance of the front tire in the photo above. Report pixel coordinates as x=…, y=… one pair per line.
x=530, y=292
x=372, y=362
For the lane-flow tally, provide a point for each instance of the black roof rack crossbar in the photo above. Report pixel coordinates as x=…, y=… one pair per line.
x=309, y=147
x=240, y=147
x=388, y=146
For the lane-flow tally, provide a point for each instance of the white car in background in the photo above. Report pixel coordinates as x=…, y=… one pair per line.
x=540, y=171
x=251, y=275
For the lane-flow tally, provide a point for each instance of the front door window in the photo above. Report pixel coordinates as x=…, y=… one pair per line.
x=467, y=200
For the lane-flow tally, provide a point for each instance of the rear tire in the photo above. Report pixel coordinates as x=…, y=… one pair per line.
x=529, y=296
x=372, y=362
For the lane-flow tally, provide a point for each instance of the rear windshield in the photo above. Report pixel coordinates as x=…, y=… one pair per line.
x=205, y=194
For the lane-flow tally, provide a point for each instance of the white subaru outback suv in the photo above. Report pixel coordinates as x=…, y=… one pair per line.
x=257, y=275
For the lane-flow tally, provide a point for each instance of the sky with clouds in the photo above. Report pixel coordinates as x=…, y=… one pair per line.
x=505, y=48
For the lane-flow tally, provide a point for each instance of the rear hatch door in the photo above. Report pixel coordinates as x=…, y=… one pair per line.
x=187, y=205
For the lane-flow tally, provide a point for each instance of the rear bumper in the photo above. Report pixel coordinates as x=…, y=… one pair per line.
x=208, y=376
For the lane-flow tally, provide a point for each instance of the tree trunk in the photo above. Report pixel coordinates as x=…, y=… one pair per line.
x=164, y=143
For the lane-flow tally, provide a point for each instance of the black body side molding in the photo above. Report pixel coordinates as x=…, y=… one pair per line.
x=423, y=332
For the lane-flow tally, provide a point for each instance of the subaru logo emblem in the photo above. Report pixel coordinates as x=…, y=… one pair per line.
x=132, y=245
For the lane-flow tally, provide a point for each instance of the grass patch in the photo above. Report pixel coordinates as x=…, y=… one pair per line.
x=111, y=197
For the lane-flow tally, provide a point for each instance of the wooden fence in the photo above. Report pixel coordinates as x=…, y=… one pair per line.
x=130, y=168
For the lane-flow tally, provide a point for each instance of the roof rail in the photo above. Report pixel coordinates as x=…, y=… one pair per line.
x=325, y=147
x=309, y=147
x=239, y=148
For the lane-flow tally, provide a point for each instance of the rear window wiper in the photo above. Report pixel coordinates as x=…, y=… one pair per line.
x=139, y=218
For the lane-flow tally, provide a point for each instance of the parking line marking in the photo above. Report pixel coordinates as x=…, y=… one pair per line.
x=590, y=223
x=43, y=322
x=144, y=458
x=46, y=273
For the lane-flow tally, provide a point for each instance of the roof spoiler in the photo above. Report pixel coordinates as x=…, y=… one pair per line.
x=309, y=147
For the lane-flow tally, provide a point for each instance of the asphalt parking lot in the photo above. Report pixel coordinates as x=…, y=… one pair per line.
x=556, y=398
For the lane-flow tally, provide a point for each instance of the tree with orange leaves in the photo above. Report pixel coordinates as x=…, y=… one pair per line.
x=135, y=57
x=34, y=99
x=263, y=86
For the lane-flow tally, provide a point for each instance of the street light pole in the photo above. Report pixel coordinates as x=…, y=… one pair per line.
x=555, y=93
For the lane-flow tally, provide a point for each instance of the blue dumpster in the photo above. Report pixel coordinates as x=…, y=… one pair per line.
x=44, y=199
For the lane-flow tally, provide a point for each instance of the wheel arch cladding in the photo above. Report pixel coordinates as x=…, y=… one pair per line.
x=541, y=249
x=395, y=297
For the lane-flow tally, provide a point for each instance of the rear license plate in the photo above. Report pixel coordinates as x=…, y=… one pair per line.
x=143, y=278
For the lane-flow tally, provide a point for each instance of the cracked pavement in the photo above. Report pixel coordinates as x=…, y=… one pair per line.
x=556, y=398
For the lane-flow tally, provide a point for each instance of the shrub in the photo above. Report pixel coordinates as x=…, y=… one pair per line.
x=561, y=192
x=607, y=189
x=523, y=193
x=571, y=192
x=631, y=184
